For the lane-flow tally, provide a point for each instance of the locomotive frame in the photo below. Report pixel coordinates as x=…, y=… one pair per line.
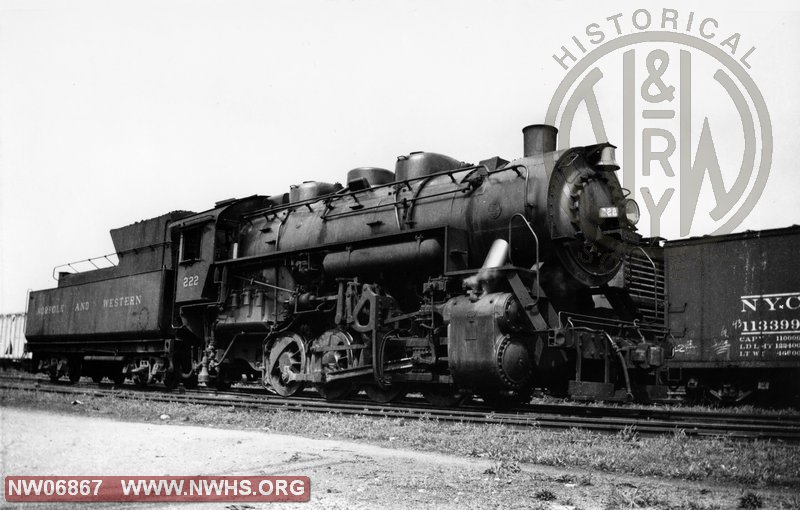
x=444, y=277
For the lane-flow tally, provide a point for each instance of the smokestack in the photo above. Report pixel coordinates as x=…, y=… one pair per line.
x=538, y=139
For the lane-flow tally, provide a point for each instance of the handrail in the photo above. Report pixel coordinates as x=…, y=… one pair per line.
x=398, y=184
x=346, y=192
x=90, y=261
x=604, y=322
x=536, y=239
x=110, y=263
x=409, y=203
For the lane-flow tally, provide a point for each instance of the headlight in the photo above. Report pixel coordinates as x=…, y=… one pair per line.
x=631, y=211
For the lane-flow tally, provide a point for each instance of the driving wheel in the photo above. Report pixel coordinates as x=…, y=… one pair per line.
x=287, y=357
x=326, y=359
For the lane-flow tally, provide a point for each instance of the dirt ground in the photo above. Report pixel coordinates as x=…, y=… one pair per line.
x=343, y=475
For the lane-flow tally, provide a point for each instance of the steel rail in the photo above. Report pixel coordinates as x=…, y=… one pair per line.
x=565, y=409
x=743, y=430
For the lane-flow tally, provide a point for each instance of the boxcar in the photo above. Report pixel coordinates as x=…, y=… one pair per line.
x=12, y=338
x=734, y=311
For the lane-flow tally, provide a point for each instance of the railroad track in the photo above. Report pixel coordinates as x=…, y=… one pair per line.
x=546, y=416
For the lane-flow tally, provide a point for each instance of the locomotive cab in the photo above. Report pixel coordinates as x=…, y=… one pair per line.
x=204, y=239
x=196, y=240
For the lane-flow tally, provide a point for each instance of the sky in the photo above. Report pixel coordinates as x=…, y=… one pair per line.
x=114, y=112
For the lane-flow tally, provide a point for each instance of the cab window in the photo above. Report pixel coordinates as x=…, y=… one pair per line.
x=190, y=244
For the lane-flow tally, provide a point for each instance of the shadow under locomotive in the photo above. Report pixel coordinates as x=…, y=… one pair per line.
x=442, y=277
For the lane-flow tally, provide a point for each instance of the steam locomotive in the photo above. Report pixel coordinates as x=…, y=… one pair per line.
x=442, y=277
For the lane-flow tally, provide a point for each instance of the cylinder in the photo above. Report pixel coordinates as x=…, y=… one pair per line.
x=538, y=139
x=480, y=355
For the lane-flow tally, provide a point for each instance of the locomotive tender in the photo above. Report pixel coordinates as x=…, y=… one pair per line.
x=442, y=277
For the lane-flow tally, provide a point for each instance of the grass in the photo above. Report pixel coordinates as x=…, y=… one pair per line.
x=744, y=409
x=756, y=463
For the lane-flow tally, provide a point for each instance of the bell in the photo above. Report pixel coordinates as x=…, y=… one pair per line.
x=203, y=377
x=607, y=160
